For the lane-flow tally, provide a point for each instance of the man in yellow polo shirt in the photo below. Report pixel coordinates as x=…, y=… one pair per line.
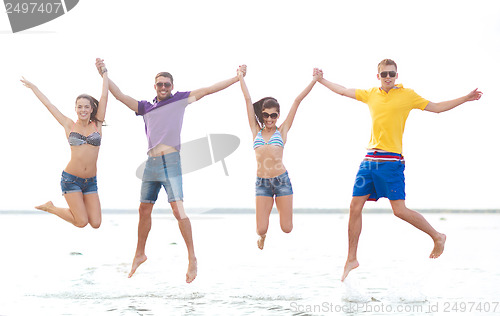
x=381, y=173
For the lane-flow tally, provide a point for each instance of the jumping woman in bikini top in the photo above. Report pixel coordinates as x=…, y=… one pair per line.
x=273, y=183
x=78, y=180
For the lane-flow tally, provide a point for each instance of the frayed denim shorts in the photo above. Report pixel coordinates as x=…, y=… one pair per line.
x=277, y=186
x=162, y=171
x=71, y=183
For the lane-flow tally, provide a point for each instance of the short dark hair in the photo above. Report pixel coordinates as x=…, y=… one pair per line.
x=387, y=62
x=165, y=74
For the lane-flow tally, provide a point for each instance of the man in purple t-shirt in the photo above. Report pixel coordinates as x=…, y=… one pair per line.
x=163, y=119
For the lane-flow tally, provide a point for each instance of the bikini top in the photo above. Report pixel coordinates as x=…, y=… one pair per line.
x=275, y=140
x=77, y=139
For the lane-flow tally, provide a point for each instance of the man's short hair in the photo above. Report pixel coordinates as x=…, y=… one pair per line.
x=387, y=62
x=165, y=74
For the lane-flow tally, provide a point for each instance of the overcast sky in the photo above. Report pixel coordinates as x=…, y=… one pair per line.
x=443, y=49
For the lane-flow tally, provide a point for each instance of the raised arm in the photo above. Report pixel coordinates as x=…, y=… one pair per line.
x=448, y=105
x=351, y=93
x=61, y=118
x=103, y=102
x=254, y=126
x=195, y=95
x=287, y=124
x=130, y=102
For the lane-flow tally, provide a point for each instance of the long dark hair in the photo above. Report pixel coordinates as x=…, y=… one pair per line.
x=93, y=103
x=264, y=103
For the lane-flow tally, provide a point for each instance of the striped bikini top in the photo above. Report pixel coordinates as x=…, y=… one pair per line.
x=275, y=140
x=77, y=139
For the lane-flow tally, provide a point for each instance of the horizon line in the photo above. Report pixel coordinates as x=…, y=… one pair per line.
x=230, y=210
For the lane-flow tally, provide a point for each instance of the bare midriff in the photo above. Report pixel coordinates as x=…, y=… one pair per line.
x=269, y=161
x=83, y=161
x=161, y=150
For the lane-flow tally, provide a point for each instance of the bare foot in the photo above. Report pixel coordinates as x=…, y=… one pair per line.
x=138, y=260
x=260, y=242
x=438, y=246
x=349, y=265
x=47, y=207
x=192, y=271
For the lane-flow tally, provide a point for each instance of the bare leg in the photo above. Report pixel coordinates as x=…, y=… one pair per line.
x=93, y=206
x=354, y=230
x=416, y=219
x=264, y=206
x=145, y=210
x=187, y=234
x=76, y=214
x=284, y=204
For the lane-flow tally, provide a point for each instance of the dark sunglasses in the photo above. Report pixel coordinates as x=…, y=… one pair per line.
x=163, y=84
x=272, y=115
x=391, y=74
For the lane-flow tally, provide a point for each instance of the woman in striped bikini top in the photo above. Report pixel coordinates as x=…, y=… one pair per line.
x=268, y=136
x=273, y=183
x=275, y=139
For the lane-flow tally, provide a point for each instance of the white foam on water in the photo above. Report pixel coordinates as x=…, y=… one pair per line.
x=354, y=291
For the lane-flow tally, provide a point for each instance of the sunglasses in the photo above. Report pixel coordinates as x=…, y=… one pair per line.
x=272, y=115
x=391, y=74
x=163, y=84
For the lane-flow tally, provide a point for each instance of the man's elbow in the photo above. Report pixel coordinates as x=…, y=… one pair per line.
x=436, y=109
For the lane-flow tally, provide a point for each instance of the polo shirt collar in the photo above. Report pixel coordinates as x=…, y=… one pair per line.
x=155, y=100
x=396, y=86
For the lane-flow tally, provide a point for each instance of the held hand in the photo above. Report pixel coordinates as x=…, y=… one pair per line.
x=27, y=84
x=101, y=67
x=242, y=71
x=474, y=95
x=317, y=74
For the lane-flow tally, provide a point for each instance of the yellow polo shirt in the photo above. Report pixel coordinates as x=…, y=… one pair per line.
x=389, y=112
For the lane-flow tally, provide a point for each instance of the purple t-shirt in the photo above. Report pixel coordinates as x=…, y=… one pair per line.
x=163, y=119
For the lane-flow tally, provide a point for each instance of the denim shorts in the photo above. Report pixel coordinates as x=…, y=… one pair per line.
x=381, y=179
x=71, y=183
x=277, y=186
x=162, y=171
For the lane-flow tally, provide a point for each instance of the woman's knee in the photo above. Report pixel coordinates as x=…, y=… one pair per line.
x=287, y=228
x=81, y=222
x=261, y=230
x=95, y=224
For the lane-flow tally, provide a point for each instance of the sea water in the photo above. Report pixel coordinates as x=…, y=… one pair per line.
x=49, y=267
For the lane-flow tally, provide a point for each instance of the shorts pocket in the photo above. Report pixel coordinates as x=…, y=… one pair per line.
x=67, y=180
x=285, y=181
